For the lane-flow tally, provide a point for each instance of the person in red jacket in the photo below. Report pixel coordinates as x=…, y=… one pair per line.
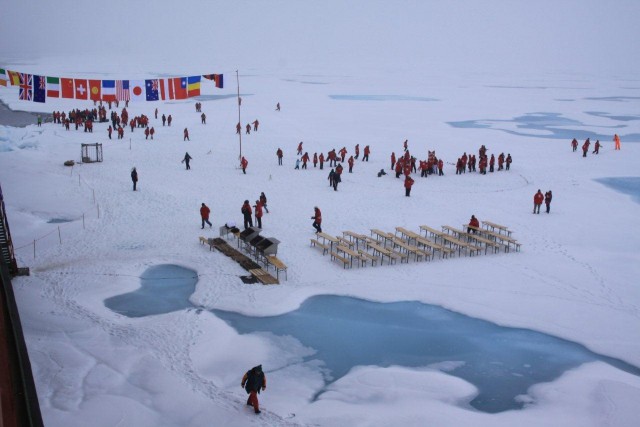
x=204, y=214
x=367, y=150
x=574, y=144
x=596, y=147
x=492, y=162
x=357, y=151
x=440, y=166
x=258, y=208
x=300, y=148
x=317, y=219
x=585, y=147
x=501, y=161
x=547, y=200
x=393, y=161
x=343, y=153
x=398, y=169
x=315, y=159
x=350, y=162
x=152, y=131
x=538, y=198
x=243, y=164
x=186, y=135
x=408, y=182
x=279, y=154
x=305, y=159
x=321, y=160
x=146, y=133
x=473, y=223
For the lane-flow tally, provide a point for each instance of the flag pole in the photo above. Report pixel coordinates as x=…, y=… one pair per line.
x=239, y=122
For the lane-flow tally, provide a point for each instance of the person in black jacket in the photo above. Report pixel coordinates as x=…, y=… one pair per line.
x=246, y=212
x=134, y=178
x=253, y=381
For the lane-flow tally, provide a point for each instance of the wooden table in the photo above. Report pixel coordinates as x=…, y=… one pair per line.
x=494, y=226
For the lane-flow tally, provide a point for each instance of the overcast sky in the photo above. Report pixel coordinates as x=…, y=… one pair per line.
x=592, y=36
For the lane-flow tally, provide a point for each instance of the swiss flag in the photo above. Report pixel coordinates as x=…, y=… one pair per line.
x=82, y=90
x=94, y=90
x=66, y=86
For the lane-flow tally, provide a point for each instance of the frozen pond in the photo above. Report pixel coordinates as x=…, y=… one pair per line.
x=554, y=126
x=627, y=185
x=381, y=98
x=346, y=332
x=164, y=288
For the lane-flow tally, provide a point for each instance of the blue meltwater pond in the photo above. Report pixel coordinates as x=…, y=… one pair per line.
x=345, y=332
x=626, y=185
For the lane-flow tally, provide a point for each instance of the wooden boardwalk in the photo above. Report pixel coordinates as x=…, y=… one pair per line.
x=245, y=262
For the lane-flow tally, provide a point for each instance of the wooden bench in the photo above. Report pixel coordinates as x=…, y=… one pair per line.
x=383, y=235
x=358, y=239
x=324, y=247
x=494, y=226
x=344, y=260
x=345, y=242
x=435, y=247
x=383, y=252
x=367, y=256
x=430, y=231
x=264, y=277
x=351, y=254
x=410, y=249
x=204, y=240
x=487, y=243
x=327, y=237
x=277, y=265
x=410, y=235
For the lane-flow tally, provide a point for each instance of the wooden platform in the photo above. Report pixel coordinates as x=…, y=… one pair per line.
x=245, y=262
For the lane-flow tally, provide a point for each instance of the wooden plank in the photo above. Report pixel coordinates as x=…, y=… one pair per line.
x=324, y=247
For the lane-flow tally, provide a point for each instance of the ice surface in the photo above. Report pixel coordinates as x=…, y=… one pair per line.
x=627, y=185
x=501, y=362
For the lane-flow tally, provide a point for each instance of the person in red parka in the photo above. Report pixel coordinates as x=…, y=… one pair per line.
x=305, y=159
x=440, y=166
x=473, y=223
x=146, y=133
x=243, y=164
x=279, y=154
x=258, y=208
x=204, y=214
x=367, y=151
x=186, y=135
x=398, y=169
x=585, y=147
x=596, y=147
x=152, y=131
x=538, y=198
x=350, y=162
x=246, y=214
x=357, y=151
x=492, y=162
x=300, y=148
x=574, y=144
x=317, y=219
x=315, y=159
x=408, y=182
x=321, y=160
x=393, y=161
x=343, y=153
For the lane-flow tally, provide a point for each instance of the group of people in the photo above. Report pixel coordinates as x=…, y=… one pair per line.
x=255, y=124
x=247, y=211
x=596, y=146
x=464, y=162
x=538, y=198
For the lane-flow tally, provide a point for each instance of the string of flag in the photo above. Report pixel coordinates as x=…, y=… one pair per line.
x=37, y=88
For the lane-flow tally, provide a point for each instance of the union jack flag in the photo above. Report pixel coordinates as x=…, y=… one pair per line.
x=43, y=84
x=154, y=85
x=26, y=87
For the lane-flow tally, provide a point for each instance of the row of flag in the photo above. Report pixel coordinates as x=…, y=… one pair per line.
x=38, y=88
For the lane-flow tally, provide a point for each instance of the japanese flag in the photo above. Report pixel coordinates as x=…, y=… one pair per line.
x=137, y=90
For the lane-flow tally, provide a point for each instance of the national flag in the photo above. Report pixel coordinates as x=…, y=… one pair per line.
x=108, y=90
x=151, y=89
x=166, y=89
x=193, y=86
x=137, y=91
x=39, y=89
x=95, y=87
x=4, y=78
x=81, y=88
x=53, y=87
x=122, y=90
x=67, y=88
x=26, y=87
x=180, y=87
x=14, y=78
x=217, y=78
